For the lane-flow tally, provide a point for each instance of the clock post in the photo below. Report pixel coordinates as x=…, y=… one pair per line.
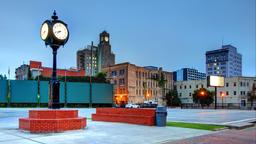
x=55, y=34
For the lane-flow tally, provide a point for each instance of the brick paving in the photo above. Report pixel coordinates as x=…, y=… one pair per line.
x=245, y=136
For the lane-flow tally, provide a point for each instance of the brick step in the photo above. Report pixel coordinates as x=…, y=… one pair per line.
x=45, y=121
x=126, y=111
x=53, y=114
x=51, y=125
x=132, y=119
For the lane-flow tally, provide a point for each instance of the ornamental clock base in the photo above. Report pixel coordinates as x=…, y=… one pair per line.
x=52, y=121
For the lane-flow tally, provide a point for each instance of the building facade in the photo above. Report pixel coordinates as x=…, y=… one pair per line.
x=185, y=74
x=235, y=90
x=225, y=62
x=135, y=84
x=94, y=59
x=35, y=69
x=87, y=60
x=21, y=73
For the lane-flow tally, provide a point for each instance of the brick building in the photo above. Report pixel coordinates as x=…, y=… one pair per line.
x=135, y=84
x=36, y=68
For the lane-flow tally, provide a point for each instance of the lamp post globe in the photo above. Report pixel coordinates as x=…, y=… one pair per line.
x=54, y=33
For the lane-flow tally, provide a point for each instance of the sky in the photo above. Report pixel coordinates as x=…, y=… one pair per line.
x=165, y=33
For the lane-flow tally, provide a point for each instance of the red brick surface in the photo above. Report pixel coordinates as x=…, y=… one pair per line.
x=43, y=121
x=124, y=115
x=245, y=136
x=53, y=114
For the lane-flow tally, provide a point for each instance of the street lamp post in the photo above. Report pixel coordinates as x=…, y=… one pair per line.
x=55, y=34
x=222, y=96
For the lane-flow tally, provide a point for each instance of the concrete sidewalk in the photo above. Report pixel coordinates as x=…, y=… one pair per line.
x=117, y=133
x=98, y=133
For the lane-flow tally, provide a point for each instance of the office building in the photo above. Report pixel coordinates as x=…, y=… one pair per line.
x=235, y=90
x=225, y=62
x=185, y=74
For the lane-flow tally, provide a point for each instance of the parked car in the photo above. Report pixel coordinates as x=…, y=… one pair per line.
x=148, y=105
x=130, y=105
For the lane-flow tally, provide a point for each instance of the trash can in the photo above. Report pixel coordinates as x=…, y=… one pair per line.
x=161, y=115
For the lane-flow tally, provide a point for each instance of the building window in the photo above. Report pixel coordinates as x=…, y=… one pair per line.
x=226, y=84
x=189, y=94
x=241, y=84
x=196, y=86
x=121, y=72
x=121, y=81
x=180, y=94
x=180, y=87
x=113, y=73
x=185, y=87
x=234, y=92
x=234, y=84
x=227, y=93
x=190, y=86
x=202, y=86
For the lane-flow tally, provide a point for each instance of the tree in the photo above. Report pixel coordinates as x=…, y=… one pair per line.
x=101, y=77
x=203, y=97
x=3, y=77
x=161, y=83
x=172, y=98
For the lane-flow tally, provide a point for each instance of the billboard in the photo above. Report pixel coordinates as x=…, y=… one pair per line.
x=215, y=81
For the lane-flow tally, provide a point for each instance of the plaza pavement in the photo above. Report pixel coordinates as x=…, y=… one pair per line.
x=116, y=133
x=245, y=136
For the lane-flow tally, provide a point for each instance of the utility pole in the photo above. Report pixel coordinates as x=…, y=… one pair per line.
x=90, y=103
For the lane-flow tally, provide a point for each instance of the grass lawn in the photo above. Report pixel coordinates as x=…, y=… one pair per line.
x=195, y=126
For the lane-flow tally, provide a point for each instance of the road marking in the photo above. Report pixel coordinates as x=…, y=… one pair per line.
x=244, y=120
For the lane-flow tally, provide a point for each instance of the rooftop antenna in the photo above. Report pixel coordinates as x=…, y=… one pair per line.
x=222, y=41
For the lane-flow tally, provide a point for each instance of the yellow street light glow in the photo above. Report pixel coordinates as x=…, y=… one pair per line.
x=222, y=94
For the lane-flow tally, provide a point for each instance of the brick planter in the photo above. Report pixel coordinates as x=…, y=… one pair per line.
x=125, y=115
x=46, y=121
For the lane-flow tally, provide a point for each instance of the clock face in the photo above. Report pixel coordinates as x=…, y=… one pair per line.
x=106, y=39
x=60, y=31
x=44, y=31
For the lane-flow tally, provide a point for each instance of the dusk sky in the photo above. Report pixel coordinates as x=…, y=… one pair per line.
x=165, y=33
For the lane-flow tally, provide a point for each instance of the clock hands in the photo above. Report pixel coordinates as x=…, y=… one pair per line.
x=57, y=32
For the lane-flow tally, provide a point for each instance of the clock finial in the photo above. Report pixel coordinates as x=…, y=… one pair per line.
x=54, y=17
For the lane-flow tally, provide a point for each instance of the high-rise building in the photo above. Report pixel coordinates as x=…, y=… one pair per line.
x=225, y=62
x=135, y=84
x=87, y=59
x=96, y=57
x=185, y=74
